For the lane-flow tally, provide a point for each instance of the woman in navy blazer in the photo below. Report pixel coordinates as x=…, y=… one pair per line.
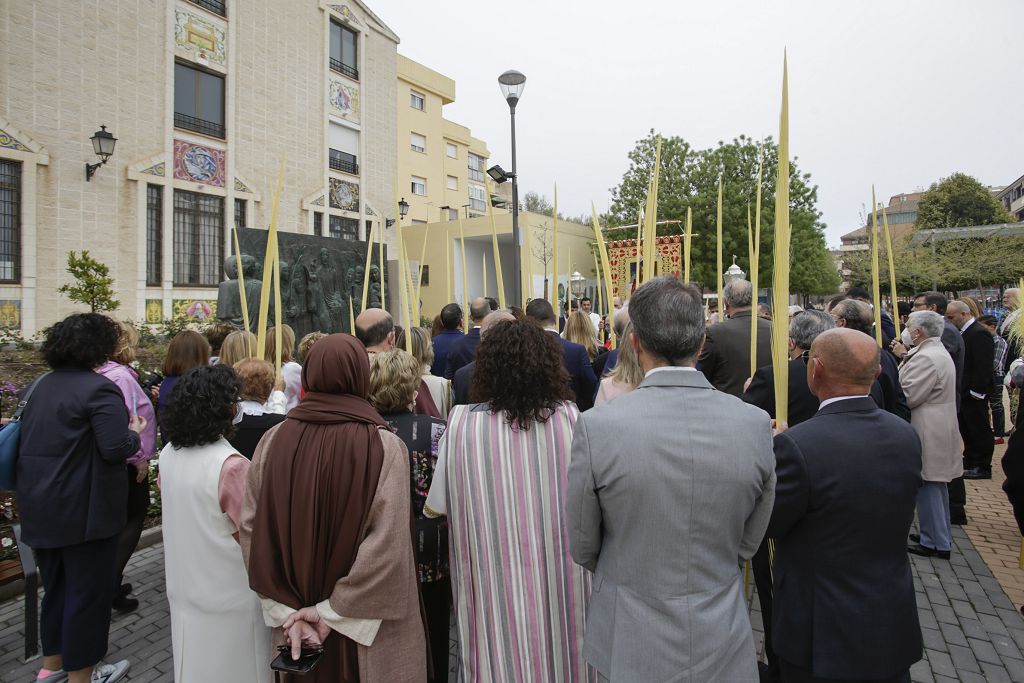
x=72, y=492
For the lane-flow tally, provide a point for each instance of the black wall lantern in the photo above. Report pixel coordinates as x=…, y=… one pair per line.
x=103, y=144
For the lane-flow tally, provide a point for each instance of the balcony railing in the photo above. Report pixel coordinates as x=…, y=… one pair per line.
x=345, y=69
x=215, y=6
x=344, y=162
x=476, y=174
x=198, y=125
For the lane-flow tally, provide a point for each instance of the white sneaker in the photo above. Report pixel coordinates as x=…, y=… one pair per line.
x=55, y=677
x=108, y=673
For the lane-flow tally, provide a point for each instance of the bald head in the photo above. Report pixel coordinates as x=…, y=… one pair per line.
x=495, y=317
x=843, y=362
x=478, y=309
x=958, y=313
x=376, y=329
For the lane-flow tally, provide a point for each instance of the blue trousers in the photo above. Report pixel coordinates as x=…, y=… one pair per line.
x=933, y=514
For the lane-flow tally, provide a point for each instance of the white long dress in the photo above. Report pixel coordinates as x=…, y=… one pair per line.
x=217, y=629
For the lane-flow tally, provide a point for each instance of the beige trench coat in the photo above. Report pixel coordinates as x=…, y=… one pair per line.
x=928, y=378
x=398, y=652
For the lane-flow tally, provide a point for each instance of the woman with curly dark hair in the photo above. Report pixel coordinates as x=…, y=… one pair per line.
x=500, y=478
x=217, y=630
x=73, y=494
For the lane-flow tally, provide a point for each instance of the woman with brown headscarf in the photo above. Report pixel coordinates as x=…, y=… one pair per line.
x=326, y=527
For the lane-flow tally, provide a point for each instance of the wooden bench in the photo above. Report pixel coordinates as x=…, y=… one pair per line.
x=10, y=571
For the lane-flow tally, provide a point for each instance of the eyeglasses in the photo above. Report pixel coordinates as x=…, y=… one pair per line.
x=918, y=306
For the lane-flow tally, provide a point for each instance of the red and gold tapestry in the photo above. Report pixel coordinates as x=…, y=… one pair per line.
x=622, y=261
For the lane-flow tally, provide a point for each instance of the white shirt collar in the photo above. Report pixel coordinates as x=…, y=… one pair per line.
x=665, y=368
x=836, y=399
x=551, y=329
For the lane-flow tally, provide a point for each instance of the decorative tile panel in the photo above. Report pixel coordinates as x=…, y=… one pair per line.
x=156, y=169
x=344, y=100
x=319, y=201
x=202, y=38
x=154, y=311
x=10, y=314
x=241, y=187
x=346, y=13
x=7, y=141
x=199, y=309
x=198, y=164
x=344, y=195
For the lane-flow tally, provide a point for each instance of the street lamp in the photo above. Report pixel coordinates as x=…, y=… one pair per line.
x=512, y=84
x=103, y=145
x=403, y=208
x=576, y=284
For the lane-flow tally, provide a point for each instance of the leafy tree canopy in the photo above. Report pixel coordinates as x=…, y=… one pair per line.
x=689, y=179
x=959, y=201
x=93, y=285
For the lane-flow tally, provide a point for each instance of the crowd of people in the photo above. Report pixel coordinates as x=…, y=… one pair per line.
x=582, y=513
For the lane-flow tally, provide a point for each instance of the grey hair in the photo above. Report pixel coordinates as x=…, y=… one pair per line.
x=929, y=322
x=738, y=293
x=958, y=306
x=668, y=319
x=620, y=320
x=806, y=327
x=857, y=315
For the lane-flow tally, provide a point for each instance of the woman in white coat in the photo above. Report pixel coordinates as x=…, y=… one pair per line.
x=217, y=629
x=928, y=378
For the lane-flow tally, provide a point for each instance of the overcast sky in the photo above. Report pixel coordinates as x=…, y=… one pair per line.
x=886, y=92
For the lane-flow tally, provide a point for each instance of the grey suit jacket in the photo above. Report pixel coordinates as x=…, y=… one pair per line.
x=670, y=490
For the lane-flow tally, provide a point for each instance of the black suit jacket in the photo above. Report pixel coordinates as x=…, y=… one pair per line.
x=887, y=390
x=802, y=403
x=725, y=358
x=979, y=355
x=460, y=385
x=954, y=343
x=844, y=501
x=74, y=442
x=581, y=373
x=461, y=352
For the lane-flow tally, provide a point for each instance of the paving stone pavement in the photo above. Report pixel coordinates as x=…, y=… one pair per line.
x=972, y=630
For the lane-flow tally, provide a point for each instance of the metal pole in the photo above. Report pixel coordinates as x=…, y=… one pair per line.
x=516, y=244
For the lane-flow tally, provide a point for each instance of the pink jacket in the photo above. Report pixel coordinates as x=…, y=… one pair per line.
x=137, y=402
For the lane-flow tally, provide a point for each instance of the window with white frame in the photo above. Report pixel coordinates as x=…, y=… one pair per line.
x=477, y=198
x=416, y=100
x=451, y=150
x=476, y=167
x=453, y=183
x=419, y=185
x=453, y=214
x=418, y=142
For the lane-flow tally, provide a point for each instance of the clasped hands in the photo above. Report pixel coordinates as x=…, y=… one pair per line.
x=305, y=627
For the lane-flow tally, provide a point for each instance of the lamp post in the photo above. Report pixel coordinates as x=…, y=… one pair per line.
x=576, y=284
x=103, y=145
x=734, y=272
x=512, y=84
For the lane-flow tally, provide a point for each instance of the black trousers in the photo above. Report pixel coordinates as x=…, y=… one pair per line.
x=762, y=570
x=794, y=674
x=995, y=403
x=437, y=602
x=79, y=585
x=138, y=504
x=976, y=432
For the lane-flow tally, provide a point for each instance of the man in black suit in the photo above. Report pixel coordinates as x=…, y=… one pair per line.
x=725, y=358
x=886, y=390
x=979, y=353
x=803, y=330
x=847, y=486
x=581, y=374
x=460, y=382
x=463, y=351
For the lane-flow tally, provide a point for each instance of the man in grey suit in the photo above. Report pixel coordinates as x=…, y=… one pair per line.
x=670, y=492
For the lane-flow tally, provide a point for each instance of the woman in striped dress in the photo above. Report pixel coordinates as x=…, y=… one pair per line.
x=500, y=477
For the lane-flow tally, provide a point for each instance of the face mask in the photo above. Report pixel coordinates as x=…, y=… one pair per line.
x=905, y=338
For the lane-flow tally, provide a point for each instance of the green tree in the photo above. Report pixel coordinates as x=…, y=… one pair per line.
x=959, y=201
x=537, y=203
x=689, y=179
x=93, y=284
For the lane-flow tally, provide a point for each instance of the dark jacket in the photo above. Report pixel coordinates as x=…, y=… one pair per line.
x=979, y=354
x=460, y=385
x=954, y=343
x=581, y=373
x=250, y=430
x=74, y=443
x=605, y=362
x=887, y=390
x=1013, y=468
x=442, y=345
x=844, y=502
x=802, y=403
x=725, y=358
x=461, y=352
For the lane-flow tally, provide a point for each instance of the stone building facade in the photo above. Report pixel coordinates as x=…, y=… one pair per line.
x=208, y=99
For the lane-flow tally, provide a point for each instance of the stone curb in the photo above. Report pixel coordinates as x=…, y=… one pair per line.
x=149, y=537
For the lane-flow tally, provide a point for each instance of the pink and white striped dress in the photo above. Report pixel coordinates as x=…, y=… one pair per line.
x=520, y=600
